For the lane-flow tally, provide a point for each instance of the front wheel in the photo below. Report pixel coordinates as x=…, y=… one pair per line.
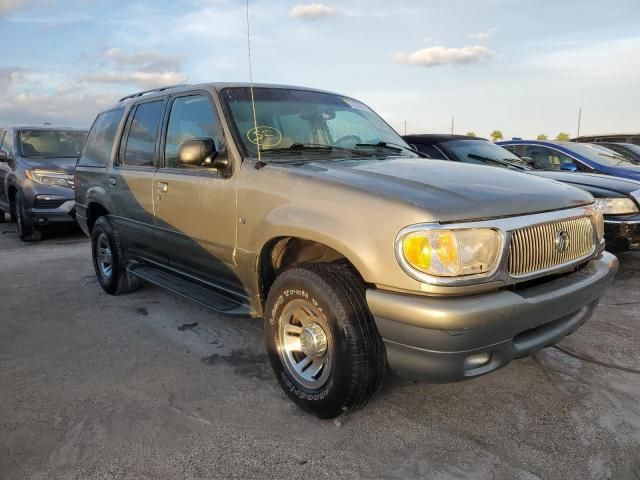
x=26, y=231
x=322, y=340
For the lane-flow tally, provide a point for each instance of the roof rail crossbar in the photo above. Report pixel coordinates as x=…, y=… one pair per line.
x=144, y=92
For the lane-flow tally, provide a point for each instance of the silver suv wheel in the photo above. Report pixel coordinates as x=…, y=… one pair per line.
x=304, y=345
x=104, y=256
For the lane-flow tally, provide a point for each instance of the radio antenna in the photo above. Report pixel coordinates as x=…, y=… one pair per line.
x=253, y=103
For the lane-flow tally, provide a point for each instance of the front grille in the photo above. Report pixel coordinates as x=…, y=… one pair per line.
x=47, y=202
x=548, y=245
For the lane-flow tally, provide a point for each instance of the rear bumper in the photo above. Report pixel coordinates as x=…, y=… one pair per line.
x=451, y=339
x=622, y=233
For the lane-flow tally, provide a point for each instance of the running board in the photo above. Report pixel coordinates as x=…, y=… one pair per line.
x=195, y=292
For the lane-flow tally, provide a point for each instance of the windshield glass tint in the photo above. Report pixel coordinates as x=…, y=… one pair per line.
x=461, y=149
x=601, y=155
x=286, y=117
x=51, y=143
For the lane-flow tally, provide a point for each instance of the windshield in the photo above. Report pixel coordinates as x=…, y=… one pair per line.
x=484, y=153
x=598, y=154
x=51, y=143
x=302, y=122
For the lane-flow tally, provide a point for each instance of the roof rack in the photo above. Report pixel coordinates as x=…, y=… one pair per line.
x=144, y=92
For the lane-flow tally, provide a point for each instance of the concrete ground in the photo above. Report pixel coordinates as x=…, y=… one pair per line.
x=94, y=386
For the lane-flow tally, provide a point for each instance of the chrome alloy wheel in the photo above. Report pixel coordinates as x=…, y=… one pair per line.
x=104, y=256
x=304, y=344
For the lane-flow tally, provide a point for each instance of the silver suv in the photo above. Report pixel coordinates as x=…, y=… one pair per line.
x=305, y=208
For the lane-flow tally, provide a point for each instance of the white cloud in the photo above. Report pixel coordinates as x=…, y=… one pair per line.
x=146, y=61
x=141, y=79
x=7, y=6
x=439, y=55
x=311, y=11
x=482, y=36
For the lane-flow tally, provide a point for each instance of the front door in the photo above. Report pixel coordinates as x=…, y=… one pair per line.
x=195, y=206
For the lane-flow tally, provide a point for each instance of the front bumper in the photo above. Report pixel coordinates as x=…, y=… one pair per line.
x=47, y=205
x=622, y=233
x=440, y=339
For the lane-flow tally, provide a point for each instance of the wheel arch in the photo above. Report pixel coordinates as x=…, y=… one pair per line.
x=283, y=252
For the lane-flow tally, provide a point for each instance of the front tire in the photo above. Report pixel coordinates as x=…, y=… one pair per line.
x=108, y=260
x=26, y=231
x=321, y=339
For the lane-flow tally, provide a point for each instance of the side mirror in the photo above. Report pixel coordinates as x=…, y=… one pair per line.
x=569, y=167
x=201, y=152
x=529, y=160
x=3, y=156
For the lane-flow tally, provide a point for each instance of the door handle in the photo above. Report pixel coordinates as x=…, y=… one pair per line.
x=163, y=187
x=112, y=181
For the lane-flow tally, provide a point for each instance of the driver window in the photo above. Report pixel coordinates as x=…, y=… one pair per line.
x=191, y=117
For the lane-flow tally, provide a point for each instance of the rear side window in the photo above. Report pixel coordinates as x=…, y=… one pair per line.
x=7, y=143
x=97, y=149
x=139, y=150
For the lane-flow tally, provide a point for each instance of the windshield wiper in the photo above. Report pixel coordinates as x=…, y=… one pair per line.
x=505, y=163
x=391, y=146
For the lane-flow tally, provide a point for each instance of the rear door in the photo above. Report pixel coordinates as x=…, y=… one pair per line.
x=195, y=206
x=131, y=180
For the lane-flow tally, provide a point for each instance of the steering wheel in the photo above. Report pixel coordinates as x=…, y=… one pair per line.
x=353, y=138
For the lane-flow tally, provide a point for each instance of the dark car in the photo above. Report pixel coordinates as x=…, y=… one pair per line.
x=573, y=157
x=37, y=165
x=609, y=137
x=630, y=151
x=618, y=198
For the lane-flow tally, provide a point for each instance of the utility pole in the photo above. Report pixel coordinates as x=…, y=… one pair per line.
x=579, y=120
x=452, y=123
x=405, y=127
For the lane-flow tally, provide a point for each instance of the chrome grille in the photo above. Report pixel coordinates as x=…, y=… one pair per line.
x=540, y=247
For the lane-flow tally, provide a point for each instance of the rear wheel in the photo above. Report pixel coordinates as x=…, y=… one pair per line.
x=108, y=259
x=26, y=231
x=322, y=340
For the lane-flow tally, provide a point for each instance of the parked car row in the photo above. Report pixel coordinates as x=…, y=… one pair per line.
x=617, y=197
x=305, y=208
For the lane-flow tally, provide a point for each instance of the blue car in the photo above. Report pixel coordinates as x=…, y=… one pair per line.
x=570, y=156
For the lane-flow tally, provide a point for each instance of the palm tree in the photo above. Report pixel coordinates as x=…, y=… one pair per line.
x=496, y=135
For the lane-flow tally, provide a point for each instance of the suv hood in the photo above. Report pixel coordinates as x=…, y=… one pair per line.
x=452, y=191
x=66, y=164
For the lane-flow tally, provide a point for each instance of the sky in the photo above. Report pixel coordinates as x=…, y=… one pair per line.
x=523, y=67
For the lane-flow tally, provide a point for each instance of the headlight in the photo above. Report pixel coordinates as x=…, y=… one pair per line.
x=452, y=253
x=599, y=223
x=616, y=206
x=50, y=177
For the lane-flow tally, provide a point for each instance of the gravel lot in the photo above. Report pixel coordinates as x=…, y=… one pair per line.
x=94, y=386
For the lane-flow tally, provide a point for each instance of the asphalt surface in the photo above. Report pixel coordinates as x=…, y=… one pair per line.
x=95, y=386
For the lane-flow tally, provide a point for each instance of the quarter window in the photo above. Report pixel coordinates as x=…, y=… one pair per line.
x=191, y=117
x=139, y=150
x=97, y=150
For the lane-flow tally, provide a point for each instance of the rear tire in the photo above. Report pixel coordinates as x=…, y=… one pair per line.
x=322, y=340
x=26, y=231
x=3, y=217
x=108, y=260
